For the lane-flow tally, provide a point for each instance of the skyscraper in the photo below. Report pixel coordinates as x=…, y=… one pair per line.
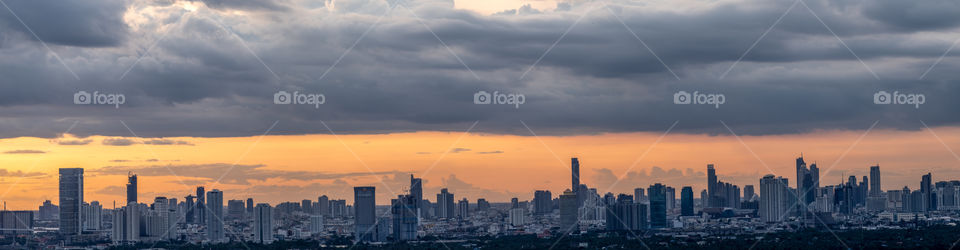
x=638, y=195
x=671, y=198
x=463, y=209
x=200, y=213
x=445, y=205
x=71, y=200
x=365, y=219
x=568, y=211
x=542, y=202
x=126, y=224
x=686, y=201
x=324, y=205
x=214, y=205
x=748, y=192
x=131, y=187
x=416, y=190
x=711, y=187
x=774, y=198
x=625, y=214
x=404, y=211
x=250, y=207
x=575, y=174
x=92, y=215
x=263, y=224
x=926, y=188
x=191, y=207
x=658, y=205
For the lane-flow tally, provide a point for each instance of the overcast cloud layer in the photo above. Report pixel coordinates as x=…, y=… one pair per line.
x=384, y=67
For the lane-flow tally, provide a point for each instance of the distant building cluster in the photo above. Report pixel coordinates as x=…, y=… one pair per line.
x=204, y=217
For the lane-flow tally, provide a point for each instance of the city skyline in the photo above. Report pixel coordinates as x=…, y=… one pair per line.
x=607, y=161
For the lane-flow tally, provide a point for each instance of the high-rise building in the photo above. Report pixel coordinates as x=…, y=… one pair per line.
x=748, y=193
x=575, y=174
x=365, y=217
x=16, y=222
x=323, y=204
x=262, y=224
x=686, y=201
x=625, y=214
x=568, y=211
x=484, y=205
x=71, y=200
x=214, y=205
x=671, y=198
x=638, y=195
x=250, y=207
x=658, y=205
x=92, y=216
x=235, y=209
x=48, y=211
x=517, y=217
x=126, y=224
x=306, y=206
x=542, y=202
x=445, y=205
x=404, y=211
x=463, y=209
x=191, y=207
x=926, y=187
x=131, y=188
x=875, y=189
x=774, y=198
x=200, y=212
x=711, y=187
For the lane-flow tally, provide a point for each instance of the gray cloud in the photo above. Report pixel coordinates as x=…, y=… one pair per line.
x=201, y=80
x=118, y=142
x=73, y=142
x=247, y=5
x=458, y=150
x=228, y=173
x=167, y=142
x=68, y=22
x=18, y=173
x=491, y=152
x=25, y=151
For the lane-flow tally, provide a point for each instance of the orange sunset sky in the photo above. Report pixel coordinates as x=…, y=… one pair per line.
x=496, y=167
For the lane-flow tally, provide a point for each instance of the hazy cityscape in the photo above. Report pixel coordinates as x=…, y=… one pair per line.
x=651, y=214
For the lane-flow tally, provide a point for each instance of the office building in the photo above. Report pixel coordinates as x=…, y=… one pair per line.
x=711, y=186
x=445, y=205
x=200, y=212
x=71, y=200
x=236, y=209
x=463, y=209
x=774, y=198
x=517, y=217
x=131, y=188
x=638, y=195
x=542, y=202
x=625, y=214
x=92, y=216
x=126, y=224
x=568, y=211
x=214, y=206
x=16, y=223
x=365, y=217
x=263, y=224
x=48, y=211
x=658, y=205
x=404, y=212
x=686, y=201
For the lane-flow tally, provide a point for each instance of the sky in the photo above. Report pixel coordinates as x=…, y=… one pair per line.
x=399, y=80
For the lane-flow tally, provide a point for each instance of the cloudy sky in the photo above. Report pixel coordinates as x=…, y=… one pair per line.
x=399, y=78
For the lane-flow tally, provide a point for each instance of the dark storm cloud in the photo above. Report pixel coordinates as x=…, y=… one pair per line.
x=203, y=79
x=118, y=142
x=68, y=22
